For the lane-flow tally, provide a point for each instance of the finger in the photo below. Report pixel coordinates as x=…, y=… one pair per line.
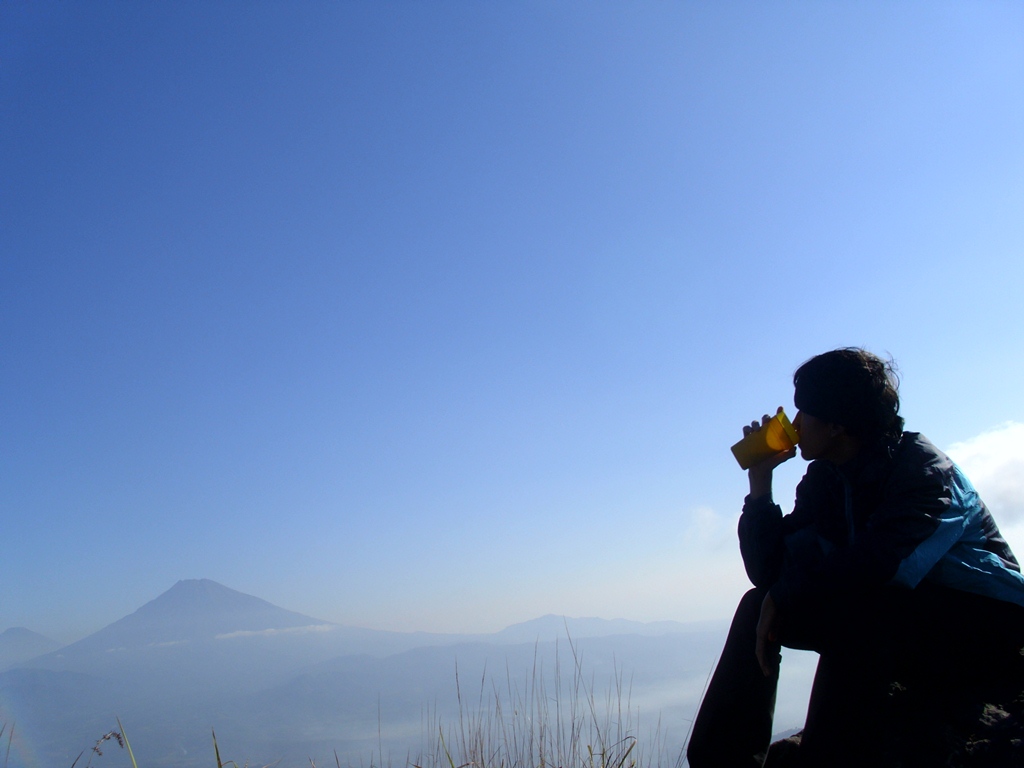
x=782, y=458
x=761, y=652
x=768, y=656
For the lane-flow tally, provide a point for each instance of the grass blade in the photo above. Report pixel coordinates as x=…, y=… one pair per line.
x=128, y=744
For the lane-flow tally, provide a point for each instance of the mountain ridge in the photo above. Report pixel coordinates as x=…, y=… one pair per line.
x=553, y=625
x=19, y=644
x=277, y=682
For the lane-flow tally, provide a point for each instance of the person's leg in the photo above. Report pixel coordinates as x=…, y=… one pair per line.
x=966, y=646
x=846, y=721
x=849, y=703
x=965, y=654
x=896, y=664
x=734, y=724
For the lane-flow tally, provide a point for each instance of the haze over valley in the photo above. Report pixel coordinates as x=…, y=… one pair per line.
x=278, y=685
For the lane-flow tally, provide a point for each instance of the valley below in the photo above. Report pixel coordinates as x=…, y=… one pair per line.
x=281, y=688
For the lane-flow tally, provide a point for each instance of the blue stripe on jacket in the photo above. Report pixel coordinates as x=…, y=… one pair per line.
x=954, y=555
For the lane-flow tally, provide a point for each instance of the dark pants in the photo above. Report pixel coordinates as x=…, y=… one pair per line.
x=940, y=646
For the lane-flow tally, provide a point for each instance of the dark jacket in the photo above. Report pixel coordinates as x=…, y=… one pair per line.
x=893, y=516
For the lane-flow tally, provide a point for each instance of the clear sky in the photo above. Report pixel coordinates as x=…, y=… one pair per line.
x=443, y=316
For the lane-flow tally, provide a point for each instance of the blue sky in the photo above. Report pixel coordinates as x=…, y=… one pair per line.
x=443, y=316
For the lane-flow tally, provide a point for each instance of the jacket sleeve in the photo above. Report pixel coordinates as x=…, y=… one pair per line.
x=761, y=540
x=918, y=521
x=764, y=531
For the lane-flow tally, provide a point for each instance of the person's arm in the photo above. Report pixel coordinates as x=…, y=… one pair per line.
x=915, y=525
x=760, y=475
x=760, y=526
x=767, y=644
x=761, y=540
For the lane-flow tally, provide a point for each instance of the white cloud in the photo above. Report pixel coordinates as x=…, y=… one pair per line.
x=994, y=462
x=273, y=632
x=707, y=530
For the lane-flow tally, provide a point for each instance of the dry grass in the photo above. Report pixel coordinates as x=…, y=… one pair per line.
x=521, y=724
x=517, y=723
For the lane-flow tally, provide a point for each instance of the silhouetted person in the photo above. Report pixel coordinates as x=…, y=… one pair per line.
x=889, y=566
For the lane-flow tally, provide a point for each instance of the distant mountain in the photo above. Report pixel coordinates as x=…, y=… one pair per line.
x=18, y=644
x=177, y=666
x=277, y=683
x=201, y=635
x=196, y=610
x=554, y=627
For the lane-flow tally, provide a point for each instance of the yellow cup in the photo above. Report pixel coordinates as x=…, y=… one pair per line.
x=776, y=436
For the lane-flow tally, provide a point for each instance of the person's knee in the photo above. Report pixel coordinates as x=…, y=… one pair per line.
x=696, y=755
x=751, y=601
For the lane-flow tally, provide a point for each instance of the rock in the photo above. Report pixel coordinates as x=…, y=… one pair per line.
x=989, y=736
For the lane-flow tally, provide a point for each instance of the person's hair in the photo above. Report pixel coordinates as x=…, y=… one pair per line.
x=853, y=388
